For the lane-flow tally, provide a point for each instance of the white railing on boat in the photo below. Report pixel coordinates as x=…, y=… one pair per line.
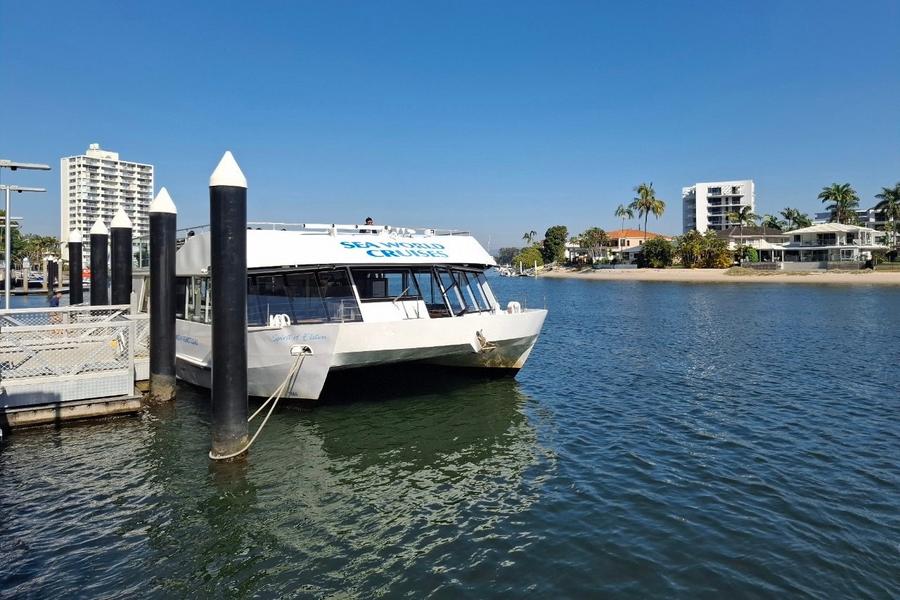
x=141, y=243
x=332, y=228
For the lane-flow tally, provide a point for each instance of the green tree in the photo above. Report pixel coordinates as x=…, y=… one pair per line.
x=656, y=253
x=802, y=220
x=35, y=247
x=16, y=240
x=789, y=215
x=646, y=202
x=716, y=254
x=689, y=247
x=594, y=239
x=706, y=251
x=528, y=257
x=746, y=253
x=529, y=236
x=553, y=248
x=773, y=222
x=889, y=206
x=505, y=255
x=744, y=216
x=843, y=201
x=795, y=219
x=624, y=212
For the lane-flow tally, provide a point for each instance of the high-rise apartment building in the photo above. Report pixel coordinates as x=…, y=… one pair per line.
x=707, y=205
x=95, y=185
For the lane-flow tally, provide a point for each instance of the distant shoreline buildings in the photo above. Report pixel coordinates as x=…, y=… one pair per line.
x=95, y=185
x=707, y=205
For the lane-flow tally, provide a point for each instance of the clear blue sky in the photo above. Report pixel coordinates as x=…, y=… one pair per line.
x=498, y=117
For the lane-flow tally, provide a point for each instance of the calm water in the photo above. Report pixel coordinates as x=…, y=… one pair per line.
x=664, y=440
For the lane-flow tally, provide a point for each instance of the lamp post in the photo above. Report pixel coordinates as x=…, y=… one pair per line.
x=8, y=241
x=14, y=166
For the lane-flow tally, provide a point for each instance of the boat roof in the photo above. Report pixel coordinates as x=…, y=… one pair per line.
x=279, y=245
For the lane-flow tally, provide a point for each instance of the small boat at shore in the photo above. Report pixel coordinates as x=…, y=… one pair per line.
x=352, y=297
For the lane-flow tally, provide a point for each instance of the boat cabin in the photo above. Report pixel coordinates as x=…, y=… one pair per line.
x=326, y=274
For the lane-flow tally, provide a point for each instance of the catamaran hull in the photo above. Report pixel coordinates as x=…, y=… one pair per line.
x=498, y=342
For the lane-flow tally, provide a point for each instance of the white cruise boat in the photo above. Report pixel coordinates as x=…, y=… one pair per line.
x=352, y=296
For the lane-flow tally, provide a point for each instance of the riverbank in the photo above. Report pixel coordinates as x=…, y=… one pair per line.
x=731, y=276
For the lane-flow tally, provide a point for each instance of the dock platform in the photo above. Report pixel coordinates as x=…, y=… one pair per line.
x=68, y=363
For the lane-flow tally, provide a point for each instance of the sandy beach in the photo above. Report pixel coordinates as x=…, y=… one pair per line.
x=723, y=276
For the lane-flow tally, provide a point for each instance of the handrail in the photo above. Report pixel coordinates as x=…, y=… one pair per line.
x=328, y=228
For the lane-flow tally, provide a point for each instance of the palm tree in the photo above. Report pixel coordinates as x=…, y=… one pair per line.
x=843, y=200
x=623, y=212
x=795, y=218
x=772, y=222
x=790, y=215
x=744, y=216
x=594, y=239
x=529, y=236
x=889, y=206
x=646, y=203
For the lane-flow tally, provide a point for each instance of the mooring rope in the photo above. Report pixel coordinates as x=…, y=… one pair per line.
x=276, y=396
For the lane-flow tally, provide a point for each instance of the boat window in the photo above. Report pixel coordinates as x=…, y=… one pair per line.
x=337, y=295
x=196, y=301
x=451, y=291
x=293, y=294
x=385, y=284
x=431, y=292
x=181, y=286
x=486, y=290
x=474, y=297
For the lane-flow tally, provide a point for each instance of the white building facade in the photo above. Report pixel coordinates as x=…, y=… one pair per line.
x=97, y=184
x=706, y=205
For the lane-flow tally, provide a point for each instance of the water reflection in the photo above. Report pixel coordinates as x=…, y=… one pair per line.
x=354, y=495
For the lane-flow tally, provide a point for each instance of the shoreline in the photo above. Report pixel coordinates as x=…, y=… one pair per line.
x=721, y=276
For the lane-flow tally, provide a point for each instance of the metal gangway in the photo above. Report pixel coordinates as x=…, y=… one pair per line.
x=53, y=356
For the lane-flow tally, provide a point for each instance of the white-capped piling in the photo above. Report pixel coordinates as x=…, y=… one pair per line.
x=120, y=257
x=228, y=258
x=76, y=281
x=99, y=264
x=163, y=217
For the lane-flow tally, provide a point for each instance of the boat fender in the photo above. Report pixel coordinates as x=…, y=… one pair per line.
x=514, y=308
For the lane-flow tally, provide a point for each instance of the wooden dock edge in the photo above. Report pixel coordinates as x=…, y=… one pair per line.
x=59, y=412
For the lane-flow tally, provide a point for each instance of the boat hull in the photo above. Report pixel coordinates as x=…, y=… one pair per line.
x=495, y=342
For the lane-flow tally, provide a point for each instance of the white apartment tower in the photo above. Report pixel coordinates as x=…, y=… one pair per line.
x=706, y=205
x=95, y=185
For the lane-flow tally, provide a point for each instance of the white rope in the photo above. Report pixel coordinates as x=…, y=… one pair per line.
x=276, y=396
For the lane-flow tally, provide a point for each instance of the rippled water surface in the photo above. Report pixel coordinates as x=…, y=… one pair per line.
x=663, y=440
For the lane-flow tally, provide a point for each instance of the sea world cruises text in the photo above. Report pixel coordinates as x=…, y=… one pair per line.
x=398, y=249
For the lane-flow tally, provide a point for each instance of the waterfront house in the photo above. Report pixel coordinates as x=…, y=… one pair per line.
x=624, y=244
x=766, y=240
x=832, y=242
x=752, y=236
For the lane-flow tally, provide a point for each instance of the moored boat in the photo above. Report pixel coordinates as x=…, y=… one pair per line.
x=350, y=297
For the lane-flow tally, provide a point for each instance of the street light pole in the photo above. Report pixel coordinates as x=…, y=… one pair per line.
x=7, y=247
x=7, y=280
x=14, y=166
